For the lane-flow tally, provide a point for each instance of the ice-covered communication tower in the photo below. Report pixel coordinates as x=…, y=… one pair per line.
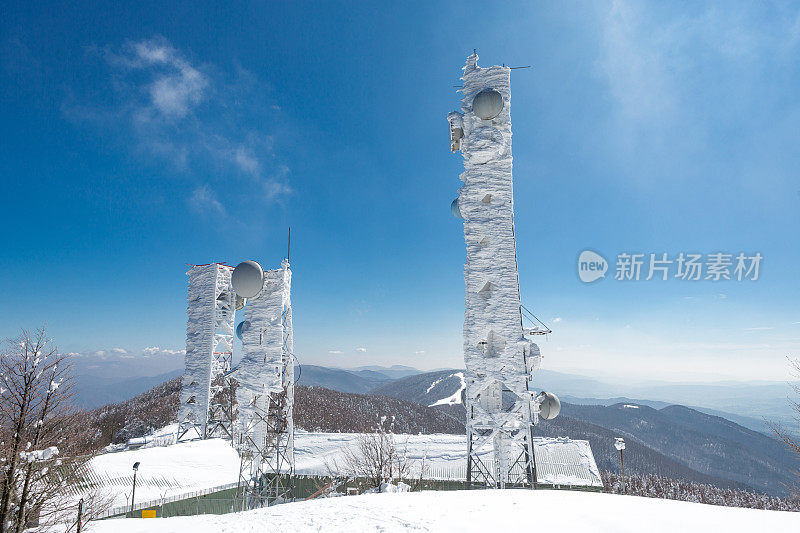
x=205, y=408
x=500, y=360
x=251, y=404
x=265, y=392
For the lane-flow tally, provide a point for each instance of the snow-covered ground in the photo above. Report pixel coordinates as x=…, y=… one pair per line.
x=200, y=466
x=495, y=510
x=166, y=471
x=559, y=461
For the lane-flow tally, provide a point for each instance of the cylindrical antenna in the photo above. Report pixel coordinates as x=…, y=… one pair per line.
x=289, y=244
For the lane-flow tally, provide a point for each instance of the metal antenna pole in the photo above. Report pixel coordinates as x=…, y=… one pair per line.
x=289, y=244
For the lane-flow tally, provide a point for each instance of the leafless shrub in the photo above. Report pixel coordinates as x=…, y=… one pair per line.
x=377, y=458
x=38, y=428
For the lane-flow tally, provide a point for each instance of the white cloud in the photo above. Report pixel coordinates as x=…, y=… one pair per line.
x=203, y=200
x=119, y=350
x=760, y=328
x=557, y=319
x=634, y=67
x=419, y=352
x=198, y=117
x=362, y=350
x=335, y=352
x=273, y=189
x=246, y=160
x=153, y=350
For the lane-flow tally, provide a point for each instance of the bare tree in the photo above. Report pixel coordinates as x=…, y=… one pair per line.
x=786, y=436
x=377, y=458
x=37, y=418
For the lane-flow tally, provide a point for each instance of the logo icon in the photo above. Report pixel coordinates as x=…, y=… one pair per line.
x=591, y=266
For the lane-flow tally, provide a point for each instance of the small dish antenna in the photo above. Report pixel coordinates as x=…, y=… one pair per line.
x=619, y=443
x=247, y=279
x=487, y=104
x=549, y=405
x=456, y=209
x=243, y=326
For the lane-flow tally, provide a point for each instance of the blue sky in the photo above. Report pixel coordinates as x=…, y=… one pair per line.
x=139, y=139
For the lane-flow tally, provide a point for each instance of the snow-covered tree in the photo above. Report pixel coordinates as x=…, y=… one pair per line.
x=40, y=452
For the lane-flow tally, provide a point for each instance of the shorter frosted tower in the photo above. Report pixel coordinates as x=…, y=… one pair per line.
x=205, y=408
x=500, y=360
x=265, y=376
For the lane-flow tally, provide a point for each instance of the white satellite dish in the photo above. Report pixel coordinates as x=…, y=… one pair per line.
x=487, y=104
x=549, y=405
x=619, y=443
x=247, y=279
x=243, y=326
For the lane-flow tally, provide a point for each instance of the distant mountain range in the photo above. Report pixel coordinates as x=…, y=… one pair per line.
x=750, y=404
x=662, y=438
x=670, y=440
x=93, y=391
x=355, y=381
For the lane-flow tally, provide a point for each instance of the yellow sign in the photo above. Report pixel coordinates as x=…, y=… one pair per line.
x=148, y=513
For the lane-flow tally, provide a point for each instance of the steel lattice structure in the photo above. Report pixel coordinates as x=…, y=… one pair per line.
x=500, y=360
x=265, y=394
x=206, y=407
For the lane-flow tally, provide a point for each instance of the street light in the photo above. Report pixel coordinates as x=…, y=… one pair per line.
x=133, y=494
x=619, y=443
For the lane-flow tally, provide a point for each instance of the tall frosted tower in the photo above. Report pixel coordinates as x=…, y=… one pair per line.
x=205, y=407
x=500, y=360
x=266, y=385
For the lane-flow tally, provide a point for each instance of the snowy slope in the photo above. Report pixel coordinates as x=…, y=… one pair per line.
x=167, y=470
x=508, y=510
x=178, y=469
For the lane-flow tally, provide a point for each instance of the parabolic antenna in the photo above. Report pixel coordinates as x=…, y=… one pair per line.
x=247, y=279
x=243, y=326
x=456, y=210
x=549, y=405
x=487, y=104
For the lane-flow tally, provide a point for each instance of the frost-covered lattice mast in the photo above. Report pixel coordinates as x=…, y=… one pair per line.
x=266, y=392
x=499, y=359
x=205, y=408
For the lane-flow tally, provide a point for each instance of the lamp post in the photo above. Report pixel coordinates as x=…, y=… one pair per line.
x=133, y=494
x=619, y=443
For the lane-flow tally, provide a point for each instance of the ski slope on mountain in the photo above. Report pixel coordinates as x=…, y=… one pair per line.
x=485, y=510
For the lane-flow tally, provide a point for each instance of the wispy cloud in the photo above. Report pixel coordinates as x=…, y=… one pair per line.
x=419, y=352
x=199, y=118
x=557, y=319
x=335, y=352
x=203, y=200
x=156, y=350
x=656, y=62
x=362, y=350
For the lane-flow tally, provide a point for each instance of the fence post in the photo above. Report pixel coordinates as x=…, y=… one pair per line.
x=80, y=514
